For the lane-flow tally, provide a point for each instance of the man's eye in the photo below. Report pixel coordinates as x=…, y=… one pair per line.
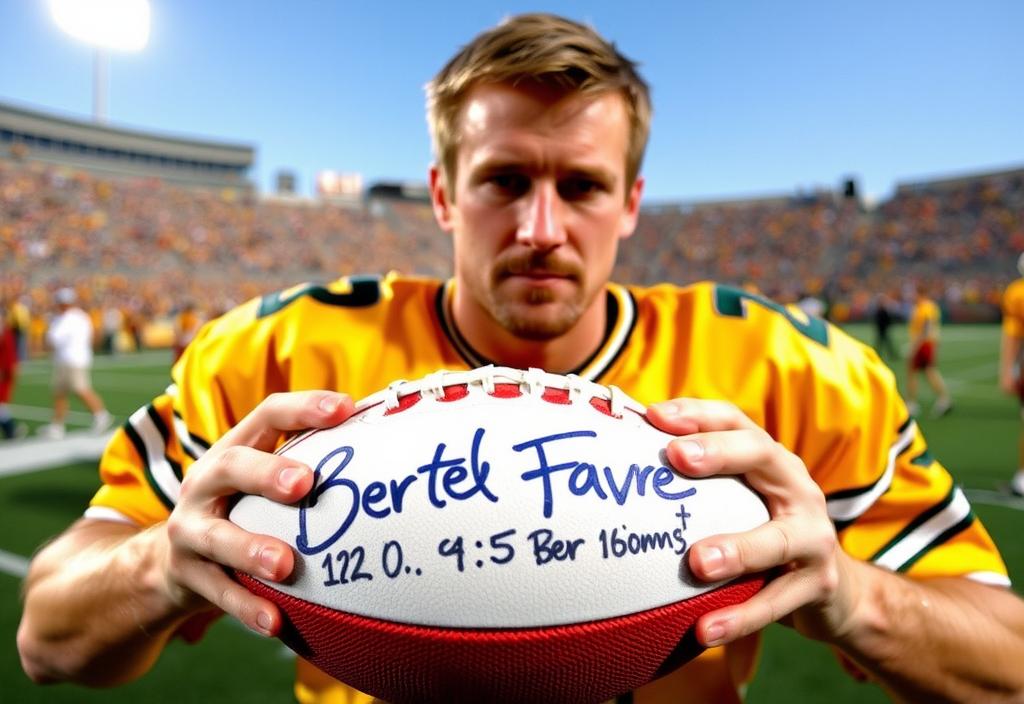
x=577, y=188
x=511, y=184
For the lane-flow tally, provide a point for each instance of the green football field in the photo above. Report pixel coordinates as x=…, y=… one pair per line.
x=977, y=442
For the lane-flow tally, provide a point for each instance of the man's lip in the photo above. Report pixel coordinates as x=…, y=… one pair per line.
x=541, y=275
x=538, y=277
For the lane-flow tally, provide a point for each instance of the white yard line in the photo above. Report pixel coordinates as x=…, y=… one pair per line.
x=989, y=497
x=36, y=453
x=14, y=565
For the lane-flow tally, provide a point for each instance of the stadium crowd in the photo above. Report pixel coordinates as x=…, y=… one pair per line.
x=139, y=251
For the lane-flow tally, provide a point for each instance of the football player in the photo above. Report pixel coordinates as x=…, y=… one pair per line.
x=1009, y=361
x=539, y=127
x=9, y=427
x=925, y=320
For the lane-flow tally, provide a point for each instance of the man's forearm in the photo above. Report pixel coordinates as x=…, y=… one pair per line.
x=96, y=611
x=947, y=639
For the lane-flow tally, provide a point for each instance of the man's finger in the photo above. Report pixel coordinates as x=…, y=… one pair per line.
x=778, y=542
x=224, y=543
x=683, y=416
x=285, y=412
x=774, y=472
x=779, y=598
x=213, y=584
x=244, y=470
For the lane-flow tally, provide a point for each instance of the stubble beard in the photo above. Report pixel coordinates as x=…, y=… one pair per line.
x=539, y=317
x=538, y=313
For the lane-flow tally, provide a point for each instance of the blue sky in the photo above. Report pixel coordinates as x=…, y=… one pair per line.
x=750, y=97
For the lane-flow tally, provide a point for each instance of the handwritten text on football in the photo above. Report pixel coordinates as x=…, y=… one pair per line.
x=453, y=479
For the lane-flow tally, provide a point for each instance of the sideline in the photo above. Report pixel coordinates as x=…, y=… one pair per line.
x=13, y=565
x=992, y=497
x=35, y=453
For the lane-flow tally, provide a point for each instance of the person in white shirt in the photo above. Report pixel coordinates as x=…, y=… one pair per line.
x=70, y=336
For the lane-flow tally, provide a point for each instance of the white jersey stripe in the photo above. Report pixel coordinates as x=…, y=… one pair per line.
x=194, y=450
x=105, y=513
x=919, y=539
x=159, y=467
x=993, y=578
x=849, y=508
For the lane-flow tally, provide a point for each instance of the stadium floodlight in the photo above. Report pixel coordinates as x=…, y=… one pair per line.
x=121, y=25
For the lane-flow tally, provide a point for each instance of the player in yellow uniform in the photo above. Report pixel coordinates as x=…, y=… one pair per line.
x=925, y=321
x=1010, y=349
x=539, y=127
x=186, y=325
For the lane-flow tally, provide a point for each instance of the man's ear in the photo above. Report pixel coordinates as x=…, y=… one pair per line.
x=632, y=211
x=439, y=198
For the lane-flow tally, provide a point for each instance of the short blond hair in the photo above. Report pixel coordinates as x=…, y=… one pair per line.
x=544, y=49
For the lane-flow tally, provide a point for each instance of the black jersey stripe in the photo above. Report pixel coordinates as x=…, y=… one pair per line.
x=847, y=505
x=140, y=449
x=165, y=433
x=193, y=445
x=931, y=528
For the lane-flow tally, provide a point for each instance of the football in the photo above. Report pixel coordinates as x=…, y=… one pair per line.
x=497, y=535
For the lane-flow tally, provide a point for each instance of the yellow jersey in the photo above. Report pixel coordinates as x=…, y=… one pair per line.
x=817, y=391
x=924, y=321
x=1013, y=309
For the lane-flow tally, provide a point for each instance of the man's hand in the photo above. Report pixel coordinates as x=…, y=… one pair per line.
x=203, y=541
x=941, y=639
x=103, y=598
x=813, y=587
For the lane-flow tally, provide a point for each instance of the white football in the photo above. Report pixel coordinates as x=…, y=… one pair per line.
x=494, y=509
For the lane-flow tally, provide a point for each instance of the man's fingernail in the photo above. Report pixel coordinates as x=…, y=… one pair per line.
x=692, y=450
x=263, y=621
x=669, y=409
x=268, y=560
x=329, y=404
x=289, y=477
x=716, y=631
x=713, y=561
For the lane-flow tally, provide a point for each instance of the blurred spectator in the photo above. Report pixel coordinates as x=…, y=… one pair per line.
x=70, y=335
x=882, y=317
x=9, y=428
x=924, y=350
x=113, y=322
x=186, y=325
x=18, y=320
x=1011, y=348
x=811, y=305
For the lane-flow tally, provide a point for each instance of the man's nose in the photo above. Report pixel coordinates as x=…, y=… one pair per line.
x=541, y=223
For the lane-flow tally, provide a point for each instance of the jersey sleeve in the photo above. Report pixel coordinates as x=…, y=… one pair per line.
x=285, y=341
x=892, y=503
x=221, y=377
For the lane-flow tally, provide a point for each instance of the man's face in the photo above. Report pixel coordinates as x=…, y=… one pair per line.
x=540, y=202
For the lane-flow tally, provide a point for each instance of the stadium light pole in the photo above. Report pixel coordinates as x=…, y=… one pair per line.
x=121, y=25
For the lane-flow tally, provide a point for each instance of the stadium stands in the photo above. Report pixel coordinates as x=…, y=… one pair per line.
x=143, y=246
x=118, y=152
